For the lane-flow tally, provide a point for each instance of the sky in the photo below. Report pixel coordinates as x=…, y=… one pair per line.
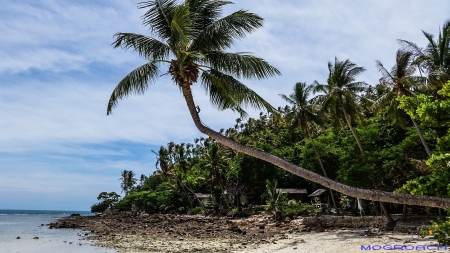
x=59, y=150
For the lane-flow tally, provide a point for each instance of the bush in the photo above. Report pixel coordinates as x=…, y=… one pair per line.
x=99, y=207
x=275, y=200
x=196, y=210
x=107, y=200
x=439, y=230
x=300, y=208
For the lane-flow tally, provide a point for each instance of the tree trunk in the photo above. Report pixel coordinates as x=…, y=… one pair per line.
x=416, y=125
x=324, y=173
x=193, y=193
x=391, y=222
x=422, y=139
x=368, y=194
x=349, y=123
x=404, y=212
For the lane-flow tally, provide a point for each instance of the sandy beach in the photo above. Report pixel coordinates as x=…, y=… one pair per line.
x=255, y=234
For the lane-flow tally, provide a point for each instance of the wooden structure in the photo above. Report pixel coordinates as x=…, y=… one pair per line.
x=293, y=193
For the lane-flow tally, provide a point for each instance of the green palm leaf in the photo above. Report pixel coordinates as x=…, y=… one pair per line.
x=222, y=33
x=136, y=81
x=240, y=65
x=147, y=47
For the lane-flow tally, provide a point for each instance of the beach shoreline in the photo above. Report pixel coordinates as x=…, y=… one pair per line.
x=129, y=233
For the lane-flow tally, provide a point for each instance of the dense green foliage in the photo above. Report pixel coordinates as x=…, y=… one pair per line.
x=107, y=200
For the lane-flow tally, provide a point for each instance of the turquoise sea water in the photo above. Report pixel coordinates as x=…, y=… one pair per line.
x=28, y=224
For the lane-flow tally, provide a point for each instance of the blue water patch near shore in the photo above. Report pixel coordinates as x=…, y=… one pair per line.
x=42, y=212
x=27, y=231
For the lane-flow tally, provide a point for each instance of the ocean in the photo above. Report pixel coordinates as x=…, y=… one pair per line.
x=30, y=224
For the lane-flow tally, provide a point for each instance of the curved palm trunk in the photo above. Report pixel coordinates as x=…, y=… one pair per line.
x=324, y=173
x=422, y=139
x=369, y=194
x=349, y=123
x=416, y=125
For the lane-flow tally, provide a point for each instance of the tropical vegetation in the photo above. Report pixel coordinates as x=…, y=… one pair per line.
x=385, y=142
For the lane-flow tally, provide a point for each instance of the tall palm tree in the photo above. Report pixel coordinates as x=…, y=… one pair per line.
x=128, y=181
x=163, y=162
x=191, y=39
x=435, y=57
x=303, y=116
x=216, y=160
x=399, y=82
x=339, y=93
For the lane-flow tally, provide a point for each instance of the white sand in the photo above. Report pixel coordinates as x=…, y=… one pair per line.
x=347, y=241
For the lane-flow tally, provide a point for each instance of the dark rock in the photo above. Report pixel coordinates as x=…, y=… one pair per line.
x=36, y=237
x=18, y=237
x=75, y=215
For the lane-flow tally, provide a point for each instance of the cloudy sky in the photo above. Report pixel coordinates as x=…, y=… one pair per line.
x=58, y=149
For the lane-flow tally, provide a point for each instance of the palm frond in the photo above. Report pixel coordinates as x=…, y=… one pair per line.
x=206, y=12
x=136, y=81
x=159, y=16
x=240, y=65
x=384, y=72
x=223, y=32
x=228, y=93
x=147, y=47
x=287, y=99
x=181, y=25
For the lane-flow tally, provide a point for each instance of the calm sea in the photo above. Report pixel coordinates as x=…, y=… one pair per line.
x=27, y=224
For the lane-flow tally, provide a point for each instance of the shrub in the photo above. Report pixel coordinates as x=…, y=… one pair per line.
x=196, y=210
x=275, y=200
x=439, y=230
x=300, y=208
x=99, y=207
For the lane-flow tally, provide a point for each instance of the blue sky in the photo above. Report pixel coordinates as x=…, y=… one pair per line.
x=58, y=149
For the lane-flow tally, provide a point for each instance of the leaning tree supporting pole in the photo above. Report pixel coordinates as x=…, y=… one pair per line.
x=368, y=194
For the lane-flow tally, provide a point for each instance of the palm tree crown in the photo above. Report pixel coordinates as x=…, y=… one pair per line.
x=397, y=82
x=339, y=98
x=435, y=57
x=339, y=92
x=302, y=113
x=190, y=37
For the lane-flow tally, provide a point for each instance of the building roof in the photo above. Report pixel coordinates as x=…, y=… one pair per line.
x=299, y=191
x=316, y=193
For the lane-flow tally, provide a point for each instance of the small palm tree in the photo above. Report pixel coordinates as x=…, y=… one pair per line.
x=399, y=82
x=339, y=98
x=128, y=181
x=216, y=160
x=190, y=39
x=303, y=116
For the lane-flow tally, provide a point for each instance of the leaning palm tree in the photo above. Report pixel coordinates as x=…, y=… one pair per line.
x=339, y=93
x=190, y=38
x=399, y=82
x=303, y=116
